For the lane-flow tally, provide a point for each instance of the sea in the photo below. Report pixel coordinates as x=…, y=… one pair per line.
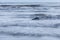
x=29, y=20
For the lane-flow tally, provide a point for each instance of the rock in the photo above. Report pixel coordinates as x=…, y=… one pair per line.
x=36, y=18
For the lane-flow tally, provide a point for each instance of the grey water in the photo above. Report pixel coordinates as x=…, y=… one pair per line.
x=30, y=21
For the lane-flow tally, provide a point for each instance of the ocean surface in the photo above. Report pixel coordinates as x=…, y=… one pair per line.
x=30, y=21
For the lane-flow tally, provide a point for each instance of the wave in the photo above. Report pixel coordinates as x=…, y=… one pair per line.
x=29, y=34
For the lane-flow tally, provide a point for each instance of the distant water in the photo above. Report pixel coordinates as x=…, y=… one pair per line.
x=30, y=21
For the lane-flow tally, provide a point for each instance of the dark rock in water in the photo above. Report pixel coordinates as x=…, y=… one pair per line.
x=43, y=16
x=36, y=18
x=39, y=16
